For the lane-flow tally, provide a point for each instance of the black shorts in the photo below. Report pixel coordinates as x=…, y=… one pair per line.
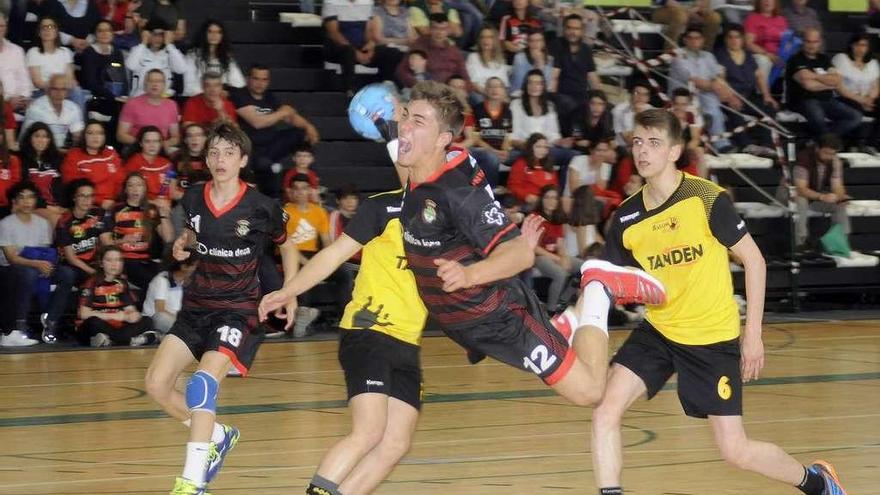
x=378, y=363
x=709, y=380
x=234, y=333
x=520, y=334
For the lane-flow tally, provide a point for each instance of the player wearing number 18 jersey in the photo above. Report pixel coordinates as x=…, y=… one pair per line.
x=229, y=226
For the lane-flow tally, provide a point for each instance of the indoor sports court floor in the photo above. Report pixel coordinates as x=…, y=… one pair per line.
x=80, y=423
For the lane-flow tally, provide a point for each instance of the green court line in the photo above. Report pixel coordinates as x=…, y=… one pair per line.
x=62, y=419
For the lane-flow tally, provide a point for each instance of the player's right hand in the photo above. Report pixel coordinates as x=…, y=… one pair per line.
x=179, y=250
x=532, y=229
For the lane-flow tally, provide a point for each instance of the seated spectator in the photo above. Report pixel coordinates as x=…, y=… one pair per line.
x=41, y=163
x=551, y=258
x=492, y=135
x=7, y=122
x=534, y=112
x=212, y=52
x=812, y=81
x=103, y=71
x=582, y=229
x=595, y=125
x=75, y=22
x=691, y=159
x=347, y=200
x=60, y=114
x=516, y=26
x=156, y=51
x=152, y=108
x=157, y=170
x=11, y=173
x=765, y=28
x=170, y=12
x=130, y=36
x=697, y=67
x=276, y=130
x=79, y=231
x=533, y=171
x=818, y=181
x=574, y=71
x=26, y=242
x=417, y=63
x=444, y=58
x=108, y=312
x=209, y=107
x=488, y=61
x=115, y=11
x=623, y=114
x=465, y=138
x=861, y=83
x=138, y=228
x=390, y=26
x=96, y=161
x=190, y=161
x=678, y=15
x=347, y=43
x=15, y=78
x=743, y=75
x=535, y=56
x=594, y=169
x=800, y=17
x=420, y=17
x=164, y=296
x=49, y=58
x=303, y=159
x=308, y=224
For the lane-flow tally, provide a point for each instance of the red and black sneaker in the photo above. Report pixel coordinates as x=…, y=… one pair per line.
x=624, y=285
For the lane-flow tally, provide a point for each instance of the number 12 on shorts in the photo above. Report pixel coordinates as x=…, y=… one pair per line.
x=231, y=336
x=540, y=360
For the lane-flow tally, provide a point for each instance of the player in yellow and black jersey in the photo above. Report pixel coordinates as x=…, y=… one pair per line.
x=380, y=333
x=679, y=229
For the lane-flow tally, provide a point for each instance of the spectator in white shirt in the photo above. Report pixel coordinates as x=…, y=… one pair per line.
x=165, y=295
x=48, y=58
x=60, y=114
x=212, y=53
x=17, y=86
x=861, y=82
x=487, y=61
x=156, y=51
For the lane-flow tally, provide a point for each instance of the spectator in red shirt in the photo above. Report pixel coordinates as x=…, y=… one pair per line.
x=303, y=158
x=10, y=174
x=210, y=107
x=96, y=161
x=8, y=123
x=41, y=161
x=156, y=169
x=551, y=258
x=532, y=172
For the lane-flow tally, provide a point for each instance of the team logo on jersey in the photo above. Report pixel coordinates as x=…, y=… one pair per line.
x=429, y=214
x=666, y=225
x=242, y=227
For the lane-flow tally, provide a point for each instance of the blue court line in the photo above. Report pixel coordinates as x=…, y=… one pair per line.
x=63, y=419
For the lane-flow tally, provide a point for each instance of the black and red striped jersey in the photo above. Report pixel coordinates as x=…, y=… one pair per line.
x=229, y=244
x=137, y=221
x=81, y=233
x=106, y=296
x=453, y=215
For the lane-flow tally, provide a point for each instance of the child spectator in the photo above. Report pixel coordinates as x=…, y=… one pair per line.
x=488, y=61
x=417, y=61
x=211, y=52
x=691, y=159
x=582, y=231
x=26, y=242
x=308, y=223
x=303, y=158
x=347, y=200
x=96, y=161
x=551, y=259
x=165, y=295
x=107, y=311
x=157, y=170
x=190, y=161
x=133, y=225
x=532, y=172
x=10, y=174
x=79, y=230
x=42, y=163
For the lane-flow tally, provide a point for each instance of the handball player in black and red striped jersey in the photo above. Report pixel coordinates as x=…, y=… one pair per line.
x=465, y=253
x=229, y=226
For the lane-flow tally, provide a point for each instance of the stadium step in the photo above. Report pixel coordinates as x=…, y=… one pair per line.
x=335, y=129
x=314, y=104
x=377, y=180
x=279, y=55
x=271, y=32
x=352, y=154
x=305, y=79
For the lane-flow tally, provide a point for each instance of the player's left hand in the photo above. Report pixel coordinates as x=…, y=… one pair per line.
x=453, y=274
x=752, y=357
x=532, y=229
x=279, y=303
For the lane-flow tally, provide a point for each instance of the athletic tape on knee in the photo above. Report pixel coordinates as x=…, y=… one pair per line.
x=201, y=392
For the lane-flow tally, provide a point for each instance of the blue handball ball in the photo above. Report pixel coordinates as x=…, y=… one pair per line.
x=372, y=101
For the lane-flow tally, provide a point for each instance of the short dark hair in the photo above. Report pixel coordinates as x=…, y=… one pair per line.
x=346, y=191
x=658, y=118
x=232, y=134
x=145, y=129
x=438, y=17
x=454, y=77
x=257, y=67
x=72, y=187
x=733, y=28
x=640, y=83
x=298, y=178
x=156, y=23
x=681, y=92
x=304, y=148
x=418, y=52
x=154, y=71
x=102, y=21
x=572, y=17
x=211, y=75
x=830, y=140
x=20, y=187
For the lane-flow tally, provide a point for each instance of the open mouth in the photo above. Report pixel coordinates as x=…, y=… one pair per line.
x=404, y=146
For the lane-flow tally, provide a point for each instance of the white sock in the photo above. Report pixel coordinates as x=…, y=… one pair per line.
x=217, y=435
x=593, y=310
x=196, y=462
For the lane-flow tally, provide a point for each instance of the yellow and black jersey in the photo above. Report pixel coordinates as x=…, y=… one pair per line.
x=683, y=243
x=385, y=297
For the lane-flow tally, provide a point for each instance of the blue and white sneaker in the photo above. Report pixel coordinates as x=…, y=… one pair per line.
x=829, y=474
x=218, y=451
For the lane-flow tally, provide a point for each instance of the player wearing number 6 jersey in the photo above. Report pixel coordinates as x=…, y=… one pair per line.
x=229, y=226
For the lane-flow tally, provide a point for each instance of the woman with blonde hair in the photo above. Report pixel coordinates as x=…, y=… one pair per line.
x=485, y=62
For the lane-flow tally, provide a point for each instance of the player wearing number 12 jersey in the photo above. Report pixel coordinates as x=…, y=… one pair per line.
x=229, y=226
x=465, y=252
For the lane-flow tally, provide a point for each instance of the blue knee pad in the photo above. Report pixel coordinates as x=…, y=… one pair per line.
x=201, y=392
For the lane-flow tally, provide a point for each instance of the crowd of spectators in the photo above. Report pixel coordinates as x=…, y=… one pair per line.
x=107, y=105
